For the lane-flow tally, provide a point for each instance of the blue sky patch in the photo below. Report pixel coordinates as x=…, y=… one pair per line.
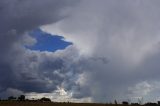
x=47, y=42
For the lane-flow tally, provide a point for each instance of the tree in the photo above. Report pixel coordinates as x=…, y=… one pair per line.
x=125, y=103
x=115, y=102
x=44, y=99
x=21, y=97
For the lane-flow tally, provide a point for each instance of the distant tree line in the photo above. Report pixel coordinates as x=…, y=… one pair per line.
x=20, y=98
x=23, y=98
x=146, y=104
x=139, y=103
x=44, y=99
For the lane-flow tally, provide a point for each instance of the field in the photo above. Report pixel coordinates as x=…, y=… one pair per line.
x=16, y=103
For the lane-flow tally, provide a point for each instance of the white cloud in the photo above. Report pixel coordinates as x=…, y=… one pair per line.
x=141, y=89
x=59, y=95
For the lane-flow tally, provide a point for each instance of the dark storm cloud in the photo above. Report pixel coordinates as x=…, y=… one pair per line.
x=30, y=13
x=22, y=69
x=115, y=51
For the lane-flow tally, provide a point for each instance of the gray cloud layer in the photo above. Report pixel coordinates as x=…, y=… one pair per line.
x=126, y=34
x=115, y=51
x=23, y=70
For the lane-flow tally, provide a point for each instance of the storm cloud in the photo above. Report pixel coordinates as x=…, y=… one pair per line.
x=124, y=33
x=114, y=55
x=23, y=70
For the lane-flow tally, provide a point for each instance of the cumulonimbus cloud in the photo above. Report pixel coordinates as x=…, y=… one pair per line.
x=115, y=50
x=125, y=33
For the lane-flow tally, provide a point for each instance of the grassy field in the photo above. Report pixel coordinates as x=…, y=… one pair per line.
x=16, y=103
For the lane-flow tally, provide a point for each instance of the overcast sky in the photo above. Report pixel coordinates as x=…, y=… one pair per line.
x=108, y=49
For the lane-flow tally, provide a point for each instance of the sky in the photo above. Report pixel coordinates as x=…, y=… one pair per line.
x=80, y=50
x=47, y=42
